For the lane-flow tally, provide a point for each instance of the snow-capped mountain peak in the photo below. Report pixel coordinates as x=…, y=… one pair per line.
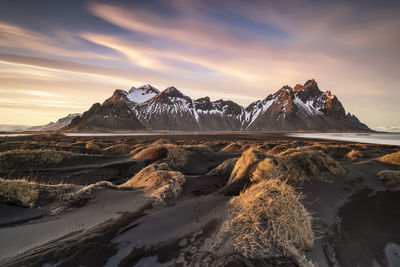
x=142, y=94
x=53, y=126
x=172, y=92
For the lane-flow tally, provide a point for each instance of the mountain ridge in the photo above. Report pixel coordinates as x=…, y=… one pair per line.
x=54, y=126
x=303, y=107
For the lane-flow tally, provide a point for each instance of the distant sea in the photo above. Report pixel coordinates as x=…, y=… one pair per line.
x=369, y=138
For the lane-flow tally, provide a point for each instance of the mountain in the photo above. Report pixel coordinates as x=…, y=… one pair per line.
x=13, y=128
x=172, y=110
x=53, y=126
x=304, y=107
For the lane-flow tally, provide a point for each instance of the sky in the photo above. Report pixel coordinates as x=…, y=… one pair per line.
x=60, y=57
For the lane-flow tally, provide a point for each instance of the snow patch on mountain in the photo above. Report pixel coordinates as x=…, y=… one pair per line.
x=142, y=94
x=54, y=126
x=308, y=106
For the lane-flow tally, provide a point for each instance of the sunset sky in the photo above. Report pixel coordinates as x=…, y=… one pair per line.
x=60, y=57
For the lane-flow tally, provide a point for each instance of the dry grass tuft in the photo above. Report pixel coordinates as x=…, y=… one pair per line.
x=64, y=196
x=92, y=145
x=393, y=158
x=354, y=155
x=174, y=156
x=267, y=220
x=136, y=149
x=278, y=149
x=246, y=164
x=198, y=149
x=152, y=153
x=295, y=166
x=159, y=181
x=225, y=168
x=161, y=141
x=31, y=194
x=33, y=158
x=390, y=179
x=298, y=166
x=119, y=149
x=232, y=148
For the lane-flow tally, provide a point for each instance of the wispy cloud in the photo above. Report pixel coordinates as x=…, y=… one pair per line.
x=242, y=50
x=59, y=44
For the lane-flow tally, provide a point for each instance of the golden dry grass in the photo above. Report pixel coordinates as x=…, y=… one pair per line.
x=151, y=152
x=173, y=155
x=159, y=182
x=161, y=141
x=393, y=158
x=92, y=145
x=225, y=168
x=268, y=219
x=299, y=165
x=198, y=149
x=278, y=149
x=354, y=154
x=390, y=179
x=118, y=149
x=232, y=148
x=246, y=164
x=31, y=194
x=293, y=165
x=25, y=159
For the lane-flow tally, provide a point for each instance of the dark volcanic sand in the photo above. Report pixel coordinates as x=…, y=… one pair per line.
x=357, y=218
x=369, y=222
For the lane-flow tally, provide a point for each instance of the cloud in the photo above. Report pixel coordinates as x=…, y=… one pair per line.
x=60, y=43
x=388, y=128
x=239, y=50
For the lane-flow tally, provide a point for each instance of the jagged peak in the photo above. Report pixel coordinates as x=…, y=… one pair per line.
x=205, y=99
x=310, y=83
x=329, y=95
x=286, y=87
x=120, y=92
x=146, y=87
x=298, y=87
x=172, y=91
x=118, y=95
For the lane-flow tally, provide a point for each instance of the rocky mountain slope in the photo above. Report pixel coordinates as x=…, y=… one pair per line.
x=304, y=107
x=54, y=126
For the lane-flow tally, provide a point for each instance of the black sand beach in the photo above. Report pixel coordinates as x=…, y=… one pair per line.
x=176, y=213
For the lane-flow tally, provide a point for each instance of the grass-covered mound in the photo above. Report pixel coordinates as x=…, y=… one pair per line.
x=267, y=220
x=393, y=158
x=298, y=166
x=354, y=155
x=176, y=157
x=225, y=168
x=92, y=145
x=31, y=194
x=233, y=147
x=118, y=149
x=390, y=179
x=295, y=166
x=35, y=158
x=159, y=182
